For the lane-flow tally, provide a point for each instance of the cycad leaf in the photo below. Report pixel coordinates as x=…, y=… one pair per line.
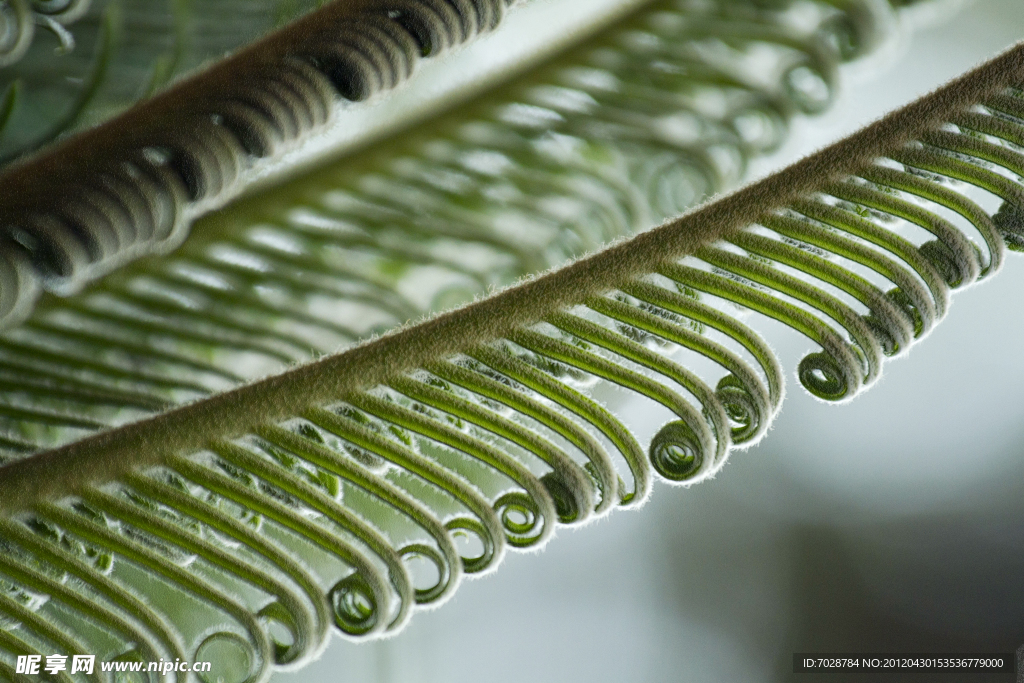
x=130, y=186
x=261, y=516
x=635, y=125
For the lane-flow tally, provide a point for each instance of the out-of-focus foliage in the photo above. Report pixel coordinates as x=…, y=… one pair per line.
x=69, y=64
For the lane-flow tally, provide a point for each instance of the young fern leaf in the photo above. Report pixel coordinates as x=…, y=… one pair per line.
x=129, y=186
x=265, y=516
x=595, y=145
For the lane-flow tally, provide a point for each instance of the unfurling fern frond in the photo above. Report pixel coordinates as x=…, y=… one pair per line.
x=130, y=186
x=341, y=494
x=639, y=123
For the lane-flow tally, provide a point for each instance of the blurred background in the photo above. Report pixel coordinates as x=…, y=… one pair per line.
x=893, y=523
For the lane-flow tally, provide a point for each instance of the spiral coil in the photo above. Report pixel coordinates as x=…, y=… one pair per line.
x=18, y=19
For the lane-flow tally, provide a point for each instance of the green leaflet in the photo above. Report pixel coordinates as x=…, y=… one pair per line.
x=267, y=516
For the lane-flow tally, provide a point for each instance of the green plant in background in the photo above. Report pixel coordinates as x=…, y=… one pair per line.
x=158, y=503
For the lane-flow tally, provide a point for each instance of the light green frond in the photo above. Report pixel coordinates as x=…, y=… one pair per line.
x=190, y=473
x=636, y=125
x=345, y=492
x=131, y=185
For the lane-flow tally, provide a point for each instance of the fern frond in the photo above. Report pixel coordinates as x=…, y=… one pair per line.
x=265, y=516
x=593, y=146
x=126, y=186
